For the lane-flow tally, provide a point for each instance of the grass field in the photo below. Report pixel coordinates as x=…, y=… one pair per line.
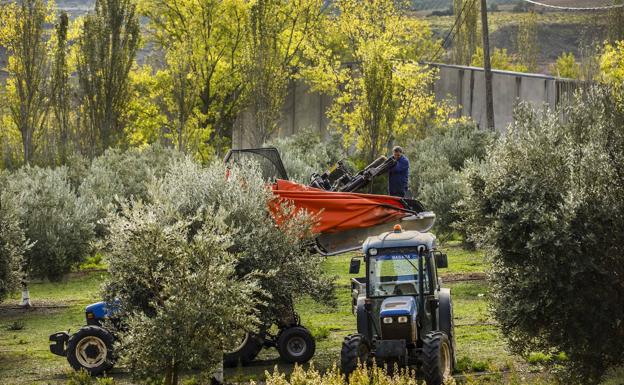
x=25, y=358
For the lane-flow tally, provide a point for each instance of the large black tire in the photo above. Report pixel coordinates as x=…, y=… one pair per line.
x=91, y=349
x=355, y=351
x=296, y=345
x=447, y=323
x=246, y=352
x=436, y=358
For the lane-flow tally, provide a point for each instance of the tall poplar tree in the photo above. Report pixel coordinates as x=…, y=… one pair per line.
x=107, y=48
x=23, y=33
x=61, y=92
x=468, y=37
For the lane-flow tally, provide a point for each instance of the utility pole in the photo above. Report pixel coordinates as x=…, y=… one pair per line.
x=487, y=67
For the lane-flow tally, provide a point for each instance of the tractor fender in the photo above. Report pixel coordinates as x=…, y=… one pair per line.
x=446, y=323
x=363, y=321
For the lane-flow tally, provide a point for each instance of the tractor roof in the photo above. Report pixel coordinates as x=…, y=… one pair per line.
x=400, y=239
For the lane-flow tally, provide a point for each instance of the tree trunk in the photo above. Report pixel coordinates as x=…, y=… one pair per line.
x=25, y=296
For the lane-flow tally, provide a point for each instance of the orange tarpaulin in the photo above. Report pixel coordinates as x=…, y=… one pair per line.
x=339, y=211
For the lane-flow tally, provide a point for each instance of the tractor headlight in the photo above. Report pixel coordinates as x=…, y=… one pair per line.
x=402, y=319
x=387, y=320
x=372, y=251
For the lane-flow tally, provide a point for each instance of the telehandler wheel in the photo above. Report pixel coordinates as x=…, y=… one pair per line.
x=355, y=351
x=437, y=358
x=245, y=352
x=296, y=345
x=91, y=349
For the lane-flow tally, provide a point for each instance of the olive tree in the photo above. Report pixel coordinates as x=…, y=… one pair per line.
x=279, y=249
x=118, y=176
x=57, y=222
x=437, y=162
x=12, y=244
x=181, y=299
x=547, y=204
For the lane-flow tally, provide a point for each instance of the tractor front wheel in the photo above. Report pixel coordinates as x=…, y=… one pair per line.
x=296, y=345
x=437, y=359
x=355, y=351
x=91, y=349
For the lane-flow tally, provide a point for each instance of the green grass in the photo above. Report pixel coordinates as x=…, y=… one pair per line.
x=25, y=358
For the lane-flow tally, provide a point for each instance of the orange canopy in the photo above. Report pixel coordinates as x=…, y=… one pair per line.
x=339, y=211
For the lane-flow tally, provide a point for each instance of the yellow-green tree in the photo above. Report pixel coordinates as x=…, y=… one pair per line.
x=366, y=57
x=23, y=33
x=468, y=37
x=106, y=49
x=61, y=98
x=566, y=66
x=612, y=68
x=203, y=40
x=527, y=44
x=276, y=34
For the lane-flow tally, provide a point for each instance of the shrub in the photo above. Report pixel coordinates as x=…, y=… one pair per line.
x=547, y=204
x=306, y=152
x=13, y=243
x=54, y=219
x=435, y=164
x=281, y=252
x=181, y=300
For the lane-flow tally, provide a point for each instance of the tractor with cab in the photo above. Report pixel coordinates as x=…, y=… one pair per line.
x=403, y=316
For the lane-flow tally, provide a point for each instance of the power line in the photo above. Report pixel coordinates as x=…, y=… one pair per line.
x=562, y=8
x=452, y=30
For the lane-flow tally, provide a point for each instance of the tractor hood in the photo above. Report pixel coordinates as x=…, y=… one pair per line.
x=398, y=306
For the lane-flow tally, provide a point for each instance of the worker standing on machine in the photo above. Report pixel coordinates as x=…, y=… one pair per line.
x=398, y=174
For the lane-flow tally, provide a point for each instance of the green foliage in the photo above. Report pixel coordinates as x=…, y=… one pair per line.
x=306, y=152
x=436, y=162
x=57, y=222
x=499, y=59
x=291, y=270
x=105, y=54
x=566, y=67
x=82, y=377
x=546, y=203
x=118, y=176
x=182, y=300
x=13, y=243
x=366, y=56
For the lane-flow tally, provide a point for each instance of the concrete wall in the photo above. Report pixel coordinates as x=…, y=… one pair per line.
x=463, y=86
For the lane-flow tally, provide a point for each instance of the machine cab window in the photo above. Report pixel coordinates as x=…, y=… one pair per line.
x=394, y=273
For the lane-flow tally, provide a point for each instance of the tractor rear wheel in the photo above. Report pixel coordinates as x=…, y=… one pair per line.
x=355, y=351
x=437, y=358
x=91, y=349
x=296, y=345
x=245, y=352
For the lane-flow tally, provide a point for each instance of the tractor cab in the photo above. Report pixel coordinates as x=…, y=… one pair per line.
x=403, y=315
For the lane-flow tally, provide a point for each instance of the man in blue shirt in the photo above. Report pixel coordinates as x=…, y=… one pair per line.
x=398, y=174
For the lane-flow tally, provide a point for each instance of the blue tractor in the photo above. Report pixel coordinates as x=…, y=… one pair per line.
x=403, y=315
